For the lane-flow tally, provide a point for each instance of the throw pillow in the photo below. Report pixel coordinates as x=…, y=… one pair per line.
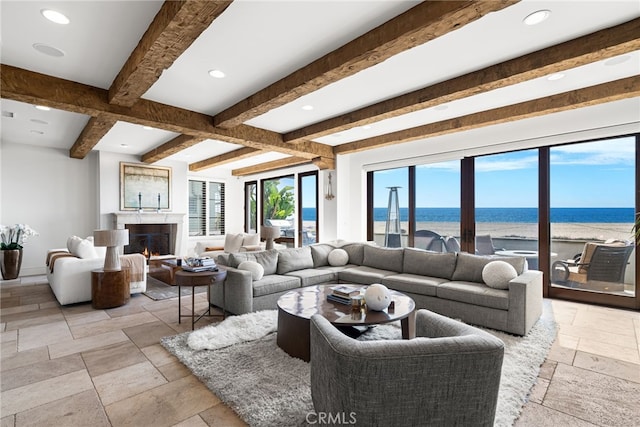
x=232, y=242
x=256, y=270
x=338, y=257
x=251, y=240
x=72, y=244
x=294, y=259
x=497, y=274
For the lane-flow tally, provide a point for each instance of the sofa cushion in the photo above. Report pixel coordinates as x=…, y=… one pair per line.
x=497, y=274
x=469, y=267
x=363, y=275
x=320, y=253
x=474, y=294
x=413, y=283
x=338, y=257
x=256, y=270
x=313, y=276
x=426, y=263
x=268, y=259
x=233, y=242
x=274, y=283
x=355, y=251
x=383, y=258
x=294, y=259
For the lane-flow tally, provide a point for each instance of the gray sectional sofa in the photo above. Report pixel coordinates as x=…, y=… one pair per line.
x=447, y=283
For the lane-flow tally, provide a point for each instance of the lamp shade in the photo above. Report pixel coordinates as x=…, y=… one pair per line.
x=112, y=239
x=269, y=232
x=119, y=237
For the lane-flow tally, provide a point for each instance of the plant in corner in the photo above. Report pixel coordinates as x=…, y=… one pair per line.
x=11, y=241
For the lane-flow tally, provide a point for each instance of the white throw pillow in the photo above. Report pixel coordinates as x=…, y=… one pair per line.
x=86, y=250
x=497, y=274
x=256, y=270
x=72, y=244
x=233, y=242
x=338, y=257
x=251, y=240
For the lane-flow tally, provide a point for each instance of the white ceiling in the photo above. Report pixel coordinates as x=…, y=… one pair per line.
x=259, y=42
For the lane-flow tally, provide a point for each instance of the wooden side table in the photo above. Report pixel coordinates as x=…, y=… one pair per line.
x=203, y=278
x=110, y=288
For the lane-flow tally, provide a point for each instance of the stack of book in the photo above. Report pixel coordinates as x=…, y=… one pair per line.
x=343, y=294
x=196, y=265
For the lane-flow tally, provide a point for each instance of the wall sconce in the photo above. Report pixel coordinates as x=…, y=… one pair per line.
x=328, y=194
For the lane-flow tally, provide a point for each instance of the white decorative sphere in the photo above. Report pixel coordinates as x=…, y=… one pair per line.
x=377, y=297
x=338, y=257
x=498, y=274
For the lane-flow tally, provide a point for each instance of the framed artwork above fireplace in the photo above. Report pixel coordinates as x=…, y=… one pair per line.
x=144, y=187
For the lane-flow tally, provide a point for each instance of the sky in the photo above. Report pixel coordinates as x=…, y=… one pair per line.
x=592, y=174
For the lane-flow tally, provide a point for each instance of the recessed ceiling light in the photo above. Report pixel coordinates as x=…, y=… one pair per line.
x=555, y=76
x=366, y=127
x=48, y=50
x=307, y=107
x=40, y=122
x=124, y=145
x=39, y=132
x=42, y=108
x=537, y=17
x=217, y=74
x=55, y=16
x=147, y=127
x=617, y=60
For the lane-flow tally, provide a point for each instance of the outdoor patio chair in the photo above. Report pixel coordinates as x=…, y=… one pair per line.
x=484, y=245
x=429, y=240
x=451, y=244
x=597, y=263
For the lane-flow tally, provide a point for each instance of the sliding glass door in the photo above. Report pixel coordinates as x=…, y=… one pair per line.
x=592, y=193
x=506, y=205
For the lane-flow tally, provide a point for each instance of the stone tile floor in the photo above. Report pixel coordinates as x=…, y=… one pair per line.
x=76, y=366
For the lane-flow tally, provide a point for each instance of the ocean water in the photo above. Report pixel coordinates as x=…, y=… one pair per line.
x=522, y=215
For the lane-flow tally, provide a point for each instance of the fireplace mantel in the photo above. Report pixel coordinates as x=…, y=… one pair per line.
x=123, y=218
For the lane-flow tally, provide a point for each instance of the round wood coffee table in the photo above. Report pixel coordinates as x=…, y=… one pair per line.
x=296, y=307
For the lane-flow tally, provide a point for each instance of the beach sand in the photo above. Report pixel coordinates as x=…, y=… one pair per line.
x=559, y=231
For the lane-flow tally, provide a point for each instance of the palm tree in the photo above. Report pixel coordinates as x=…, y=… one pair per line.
x=279, y=203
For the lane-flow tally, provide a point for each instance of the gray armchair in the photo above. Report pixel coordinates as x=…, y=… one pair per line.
x=449, y=377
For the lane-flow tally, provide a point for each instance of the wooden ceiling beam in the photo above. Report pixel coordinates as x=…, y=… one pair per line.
x=270, y=166
x=169, y=148
x=593, y=95
x=231, y=156
x=607, y=43
x=95, y=129
x=175, y=27
x=39, y=89
x=420, y=24
x=324, y=163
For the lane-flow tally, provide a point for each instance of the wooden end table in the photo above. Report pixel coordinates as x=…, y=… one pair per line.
x=296, y=307
x=203, y=278
x=110, y=289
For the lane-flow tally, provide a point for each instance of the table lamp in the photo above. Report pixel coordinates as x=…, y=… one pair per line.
x=268, y=233
x=112, y=239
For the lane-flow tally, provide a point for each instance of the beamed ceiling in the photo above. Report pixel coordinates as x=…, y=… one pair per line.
x=393, y=73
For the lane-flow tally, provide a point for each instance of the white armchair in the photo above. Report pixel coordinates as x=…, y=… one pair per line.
x=69, y=271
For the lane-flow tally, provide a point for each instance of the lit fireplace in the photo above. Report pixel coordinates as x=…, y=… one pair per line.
x=151, y=239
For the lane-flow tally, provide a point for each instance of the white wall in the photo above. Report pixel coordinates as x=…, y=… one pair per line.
x=53, y=193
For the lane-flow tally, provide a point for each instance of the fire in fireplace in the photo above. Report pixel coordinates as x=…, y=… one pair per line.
x=151, y=239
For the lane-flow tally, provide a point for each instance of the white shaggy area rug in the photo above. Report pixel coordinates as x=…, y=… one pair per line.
x=239, y=361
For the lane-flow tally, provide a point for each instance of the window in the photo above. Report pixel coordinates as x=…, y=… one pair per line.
x=308, y=224
x=251, y=207
x=206, y=208
x=279, y=206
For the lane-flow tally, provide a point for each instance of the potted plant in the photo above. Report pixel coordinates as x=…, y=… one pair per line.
x=11, y=242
